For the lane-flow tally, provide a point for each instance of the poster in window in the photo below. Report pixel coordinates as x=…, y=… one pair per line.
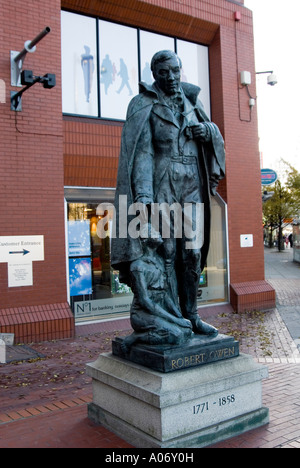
x=79, y=238
x=80, y=274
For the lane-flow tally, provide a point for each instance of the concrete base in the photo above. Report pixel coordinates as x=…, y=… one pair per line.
x=190, y=408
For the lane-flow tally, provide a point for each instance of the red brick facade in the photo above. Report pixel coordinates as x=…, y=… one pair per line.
x=41, y=151
x=32, y=186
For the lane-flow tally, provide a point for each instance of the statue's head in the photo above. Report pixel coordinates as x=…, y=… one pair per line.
x=166, y=68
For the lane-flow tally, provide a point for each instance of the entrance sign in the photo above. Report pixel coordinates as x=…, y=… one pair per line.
x=268, y=176
x=14, y=249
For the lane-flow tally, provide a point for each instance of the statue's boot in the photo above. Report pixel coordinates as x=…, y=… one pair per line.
x=188, y=303
x=203, y=328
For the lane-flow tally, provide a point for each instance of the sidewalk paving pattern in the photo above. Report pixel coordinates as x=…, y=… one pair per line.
x=43, y=402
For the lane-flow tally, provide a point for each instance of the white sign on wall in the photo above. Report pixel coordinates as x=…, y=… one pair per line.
x=15, y=248
x=20, y=274
x=247, y=240
x=19, y=252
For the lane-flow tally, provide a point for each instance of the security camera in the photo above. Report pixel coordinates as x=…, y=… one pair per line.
x=272, y=80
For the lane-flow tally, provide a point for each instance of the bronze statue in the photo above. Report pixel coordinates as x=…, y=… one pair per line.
x=171, y=155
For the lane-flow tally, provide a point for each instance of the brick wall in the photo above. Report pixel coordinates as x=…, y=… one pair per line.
x=31, y=163
x=91, y=152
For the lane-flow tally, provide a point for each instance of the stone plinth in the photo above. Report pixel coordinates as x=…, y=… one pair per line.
x=193, y=407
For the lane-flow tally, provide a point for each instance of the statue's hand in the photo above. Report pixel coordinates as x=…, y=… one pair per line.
x=201, y=132
x=144, y=200
x=184, y=323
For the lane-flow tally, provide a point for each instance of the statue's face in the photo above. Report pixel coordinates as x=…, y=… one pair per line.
x=167, y=75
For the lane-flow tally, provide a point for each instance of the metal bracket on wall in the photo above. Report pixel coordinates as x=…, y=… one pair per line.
x=15, y=101
x=28, y=79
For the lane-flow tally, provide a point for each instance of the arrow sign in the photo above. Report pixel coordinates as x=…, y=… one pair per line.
x=21, y=249
x=22, y=252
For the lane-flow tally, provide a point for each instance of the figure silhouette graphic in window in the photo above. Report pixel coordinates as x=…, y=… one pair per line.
x=123, y=73
x=88, y=67
x=147, y=74
x=107, y=73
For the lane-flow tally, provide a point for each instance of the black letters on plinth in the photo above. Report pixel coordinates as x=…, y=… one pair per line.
x=198, y=351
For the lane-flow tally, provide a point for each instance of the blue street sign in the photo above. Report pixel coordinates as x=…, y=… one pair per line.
x=268, y=176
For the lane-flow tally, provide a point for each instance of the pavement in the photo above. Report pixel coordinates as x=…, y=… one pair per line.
x=284, y=275
x=44, y=396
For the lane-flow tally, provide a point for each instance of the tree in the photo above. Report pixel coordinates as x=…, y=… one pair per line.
x=293, y=184
x=282, y=205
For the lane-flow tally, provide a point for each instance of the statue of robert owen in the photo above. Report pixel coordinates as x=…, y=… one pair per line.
x=170, y=154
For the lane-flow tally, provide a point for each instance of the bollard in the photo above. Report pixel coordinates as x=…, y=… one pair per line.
x=2, y=352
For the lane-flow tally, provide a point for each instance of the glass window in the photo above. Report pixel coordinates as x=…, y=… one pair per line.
x=118, y=60
x=94, y=287
x=195, y=68
x=213, y=286
x=150, y=44
x=79, y=65
x=119, y=76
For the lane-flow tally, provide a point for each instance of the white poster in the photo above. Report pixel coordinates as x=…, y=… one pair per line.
x=79, y=238
x=20, y=274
